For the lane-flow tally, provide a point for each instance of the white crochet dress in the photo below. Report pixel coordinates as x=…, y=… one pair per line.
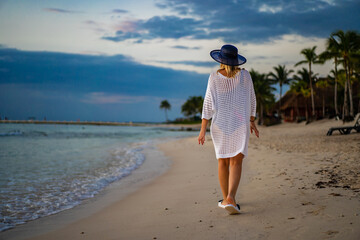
x=230, y=102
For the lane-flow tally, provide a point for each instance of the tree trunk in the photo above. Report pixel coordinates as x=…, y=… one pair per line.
x=346, y=110
x=280, y=101
x=323, y=101
x=350, y=92
x=166, y=115
x=312, y=92
x=261, y=119
x=297, y=110
x=306, y=111
x=335, y=93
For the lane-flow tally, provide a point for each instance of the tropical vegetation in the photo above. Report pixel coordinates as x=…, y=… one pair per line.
x=342, y=48
x=281, y=76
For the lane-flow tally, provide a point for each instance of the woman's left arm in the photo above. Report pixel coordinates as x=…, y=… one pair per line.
x=253, y=108
x=252, y=99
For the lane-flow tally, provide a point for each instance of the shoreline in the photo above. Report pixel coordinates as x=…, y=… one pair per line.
x=155, y=164
x=101, y=123
x=278, y=192
x=170, y=126
x=74, y=122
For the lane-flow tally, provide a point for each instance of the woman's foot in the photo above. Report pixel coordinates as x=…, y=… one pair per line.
x=232, y=209
x=231, y=205
x=221, y=204
x=229, y=200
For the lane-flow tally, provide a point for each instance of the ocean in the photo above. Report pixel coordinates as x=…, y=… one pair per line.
x=48, y=168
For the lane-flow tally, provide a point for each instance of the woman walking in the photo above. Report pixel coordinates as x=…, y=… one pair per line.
x=231, y=103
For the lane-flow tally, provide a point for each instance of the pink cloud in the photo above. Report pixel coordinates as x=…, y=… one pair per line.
x=106, y=98
x=96, y=26
x=126, y=26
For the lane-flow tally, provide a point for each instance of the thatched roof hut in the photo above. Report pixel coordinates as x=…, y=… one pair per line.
x=296, y=107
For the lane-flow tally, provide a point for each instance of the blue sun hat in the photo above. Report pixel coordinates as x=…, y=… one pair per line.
x=228, y=55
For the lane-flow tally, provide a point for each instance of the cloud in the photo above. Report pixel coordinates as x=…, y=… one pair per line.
x=93, y=87
x=126, y=26
x=261, y=57
x=193, y=63
x=183, y=9
x=91, y=52
x=90, y=22
x=117, y=74
x=60, y=10
x=119, y=11
x=161, y=5
x=270, y=9
x=121, y=36
x=95, y=26
x=158, y=27
x=171, y=27
x=252, y=21
x=106, y=98
x=185, y=47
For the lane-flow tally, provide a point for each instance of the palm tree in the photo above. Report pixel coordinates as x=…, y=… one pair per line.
x=349, y=45
x=263, y=90
x=310, y=58
x=280, y=76
x=306, y=93
x=333, y=79
x=322, y=83
x=356, y=76
x=295, y=87
x=166, y=106
x=342, y=80
x=333, y=52
x=301, y=86
x=192, y=106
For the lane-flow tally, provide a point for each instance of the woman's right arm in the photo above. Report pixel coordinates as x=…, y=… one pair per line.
x=201, y=138
x=207, y=112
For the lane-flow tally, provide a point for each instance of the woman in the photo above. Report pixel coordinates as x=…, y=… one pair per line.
x=231, y=103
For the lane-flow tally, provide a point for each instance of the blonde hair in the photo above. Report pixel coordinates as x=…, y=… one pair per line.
x=231, y=71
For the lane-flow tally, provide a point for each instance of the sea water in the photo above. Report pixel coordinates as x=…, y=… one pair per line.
x=47, y=168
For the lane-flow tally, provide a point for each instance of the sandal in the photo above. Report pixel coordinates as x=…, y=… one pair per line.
x=220, y=203
x=232, y=209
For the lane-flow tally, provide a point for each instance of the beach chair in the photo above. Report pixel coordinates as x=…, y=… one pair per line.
x=347, y=130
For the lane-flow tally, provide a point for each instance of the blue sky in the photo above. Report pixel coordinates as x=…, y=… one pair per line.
x=116, y=60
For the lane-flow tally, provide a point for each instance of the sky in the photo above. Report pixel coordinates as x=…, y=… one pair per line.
x=117, y=60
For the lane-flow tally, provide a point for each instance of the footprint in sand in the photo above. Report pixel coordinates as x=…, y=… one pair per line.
x=317, y=211
x=282, y=173
x=335, y=194
x=331, y=232
x=269, y=227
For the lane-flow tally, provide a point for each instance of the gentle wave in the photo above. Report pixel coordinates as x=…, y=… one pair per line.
x=64, y=134
x=47, y=168
x=79, y=134
x=49, y=196
x=11, y=133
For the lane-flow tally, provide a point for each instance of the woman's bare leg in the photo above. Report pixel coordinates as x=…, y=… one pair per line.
x=234, y=177
x=223, y=165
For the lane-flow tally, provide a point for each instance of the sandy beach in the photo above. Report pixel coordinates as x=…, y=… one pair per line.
x=297, y=183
